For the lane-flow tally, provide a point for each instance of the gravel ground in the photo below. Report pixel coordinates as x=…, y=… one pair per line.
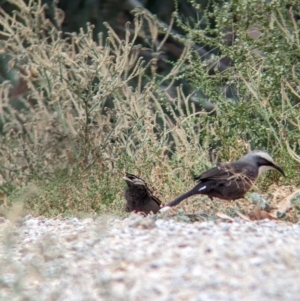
x=142, y=259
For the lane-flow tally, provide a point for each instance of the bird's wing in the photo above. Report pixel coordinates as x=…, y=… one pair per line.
x=221, y=172
x=155, y=199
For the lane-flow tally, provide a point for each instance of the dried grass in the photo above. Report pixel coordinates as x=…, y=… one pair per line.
x=91, y=111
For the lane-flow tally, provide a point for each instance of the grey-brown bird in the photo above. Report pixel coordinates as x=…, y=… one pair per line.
x=230, y=181
x=139, y=197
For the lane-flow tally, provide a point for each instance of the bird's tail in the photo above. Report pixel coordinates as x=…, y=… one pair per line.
x=178, y=200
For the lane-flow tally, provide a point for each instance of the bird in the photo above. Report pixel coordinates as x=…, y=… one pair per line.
x=139, y=197
x=230, y=181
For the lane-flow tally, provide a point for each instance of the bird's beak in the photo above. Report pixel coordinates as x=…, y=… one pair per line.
x=127, y=179
x=279, y=169
x=129, y=182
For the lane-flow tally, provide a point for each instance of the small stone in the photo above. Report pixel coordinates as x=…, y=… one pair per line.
x=140, y=222
x=256, y=261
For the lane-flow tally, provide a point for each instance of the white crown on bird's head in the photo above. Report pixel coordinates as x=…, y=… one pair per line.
x=260, y=153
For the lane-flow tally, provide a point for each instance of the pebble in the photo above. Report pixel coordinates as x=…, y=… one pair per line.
x=141, y=258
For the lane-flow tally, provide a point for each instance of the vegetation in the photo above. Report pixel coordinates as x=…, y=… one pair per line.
x=92, y=110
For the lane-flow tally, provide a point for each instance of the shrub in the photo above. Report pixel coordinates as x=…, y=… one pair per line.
x=94, y=109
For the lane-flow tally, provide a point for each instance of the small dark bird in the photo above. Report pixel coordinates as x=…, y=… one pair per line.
x=139, y=197
x=230, y=181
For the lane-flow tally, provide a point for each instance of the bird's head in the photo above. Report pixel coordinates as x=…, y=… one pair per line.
x=131, y=179
x=263, y=161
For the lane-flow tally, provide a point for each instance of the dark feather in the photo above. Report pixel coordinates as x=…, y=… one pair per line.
x=224, y=171
x=139, y=197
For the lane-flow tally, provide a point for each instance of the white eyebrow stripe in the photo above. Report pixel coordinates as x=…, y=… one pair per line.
x=264, y=155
